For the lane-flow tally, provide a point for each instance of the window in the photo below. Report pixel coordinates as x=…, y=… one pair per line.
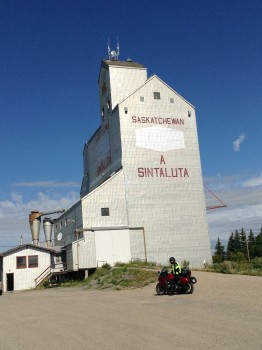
x=108, y=105
x=157, y=95
x=58, y=259
x=33, y=261
x=21, y=262
x=61, y=224
x=142, y=99
x=171, y=100
x=104, y=211
x=103, y=113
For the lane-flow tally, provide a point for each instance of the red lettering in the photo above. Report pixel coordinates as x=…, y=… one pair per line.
x=166, y=173
x=154, y=172
x=150, y=172
x=162, y=160
x=156, y=169
x=141, y=172
x=172, y=170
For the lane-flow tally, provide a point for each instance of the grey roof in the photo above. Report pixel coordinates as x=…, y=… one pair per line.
x=23, y=246
x=106, y=63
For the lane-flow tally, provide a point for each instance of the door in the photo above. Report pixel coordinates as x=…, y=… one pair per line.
x=112, y=246
x=9, y=282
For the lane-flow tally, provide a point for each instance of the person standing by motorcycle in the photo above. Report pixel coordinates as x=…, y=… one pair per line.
x=175, y=270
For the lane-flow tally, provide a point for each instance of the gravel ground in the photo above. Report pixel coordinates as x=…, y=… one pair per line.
x=224, y=312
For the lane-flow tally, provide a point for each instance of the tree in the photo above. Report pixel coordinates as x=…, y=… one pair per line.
x=220, y=254
x=243, y=243
x=230, y=245
x=257, y=247
x=235, y=246
x=250, y=243
x=237, y=242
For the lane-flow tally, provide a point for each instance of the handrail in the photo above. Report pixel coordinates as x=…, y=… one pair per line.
x=43, y=275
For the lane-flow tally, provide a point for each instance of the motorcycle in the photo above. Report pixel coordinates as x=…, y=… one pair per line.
x=184, y=285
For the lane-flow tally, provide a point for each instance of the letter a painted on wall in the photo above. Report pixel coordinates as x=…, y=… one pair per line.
x=162, y=160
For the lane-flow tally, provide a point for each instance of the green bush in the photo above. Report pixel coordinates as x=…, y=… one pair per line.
x=106, y=266
x=257, y=263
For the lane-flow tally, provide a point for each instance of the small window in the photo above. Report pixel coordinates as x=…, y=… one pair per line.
x=142, y=99
x=108, y=105
x=21, y=262
x=171, y=100
x=104, y=211
x=61, y=224
x=157, y=95
x=33, y=261
x=58, y=259
x=103, y=113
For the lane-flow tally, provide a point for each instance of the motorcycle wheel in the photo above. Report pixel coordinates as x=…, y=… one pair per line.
x=159, y=289
x=189, y=288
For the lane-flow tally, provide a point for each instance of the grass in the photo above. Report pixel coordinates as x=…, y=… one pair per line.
x=121, y=276
x=138, y=274
x=253, y=268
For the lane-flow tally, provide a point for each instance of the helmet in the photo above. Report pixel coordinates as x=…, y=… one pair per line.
x=172, y=260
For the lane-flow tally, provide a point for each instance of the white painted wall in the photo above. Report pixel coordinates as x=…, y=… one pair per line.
x=24, y=278
x=171, y=209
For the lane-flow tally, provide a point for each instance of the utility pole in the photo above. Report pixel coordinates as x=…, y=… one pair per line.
x=247, y=251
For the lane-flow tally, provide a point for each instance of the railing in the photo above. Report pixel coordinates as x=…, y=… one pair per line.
x=57, y=269
x=43, y=275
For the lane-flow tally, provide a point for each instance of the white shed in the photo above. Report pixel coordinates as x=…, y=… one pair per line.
x=25, y=266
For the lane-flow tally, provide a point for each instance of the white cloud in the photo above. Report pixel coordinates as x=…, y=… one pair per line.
x=242, y=194
x=14, y=214
x=46, y=184
x=237, y=143
x=253, y=182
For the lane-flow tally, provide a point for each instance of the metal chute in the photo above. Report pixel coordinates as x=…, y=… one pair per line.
x=35, y=223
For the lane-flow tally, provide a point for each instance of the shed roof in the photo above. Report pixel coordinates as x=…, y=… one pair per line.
x=24, y=246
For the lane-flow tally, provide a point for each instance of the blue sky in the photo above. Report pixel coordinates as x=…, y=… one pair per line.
x=210, y=52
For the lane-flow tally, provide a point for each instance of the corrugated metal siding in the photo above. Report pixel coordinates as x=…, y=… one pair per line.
x=67, y=224
x=110, y=195
x=137, y=244
x=69, y=258
x=171, y=209
x=102, y=154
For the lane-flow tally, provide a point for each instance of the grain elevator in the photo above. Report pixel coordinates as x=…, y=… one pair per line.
x=142, y=193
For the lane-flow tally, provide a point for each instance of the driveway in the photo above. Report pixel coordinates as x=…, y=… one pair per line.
x=224, y=312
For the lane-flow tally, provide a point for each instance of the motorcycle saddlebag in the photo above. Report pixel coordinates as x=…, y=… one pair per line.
x=185, y=271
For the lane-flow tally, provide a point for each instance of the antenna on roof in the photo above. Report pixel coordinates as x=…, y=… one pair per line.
x=113, y=55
